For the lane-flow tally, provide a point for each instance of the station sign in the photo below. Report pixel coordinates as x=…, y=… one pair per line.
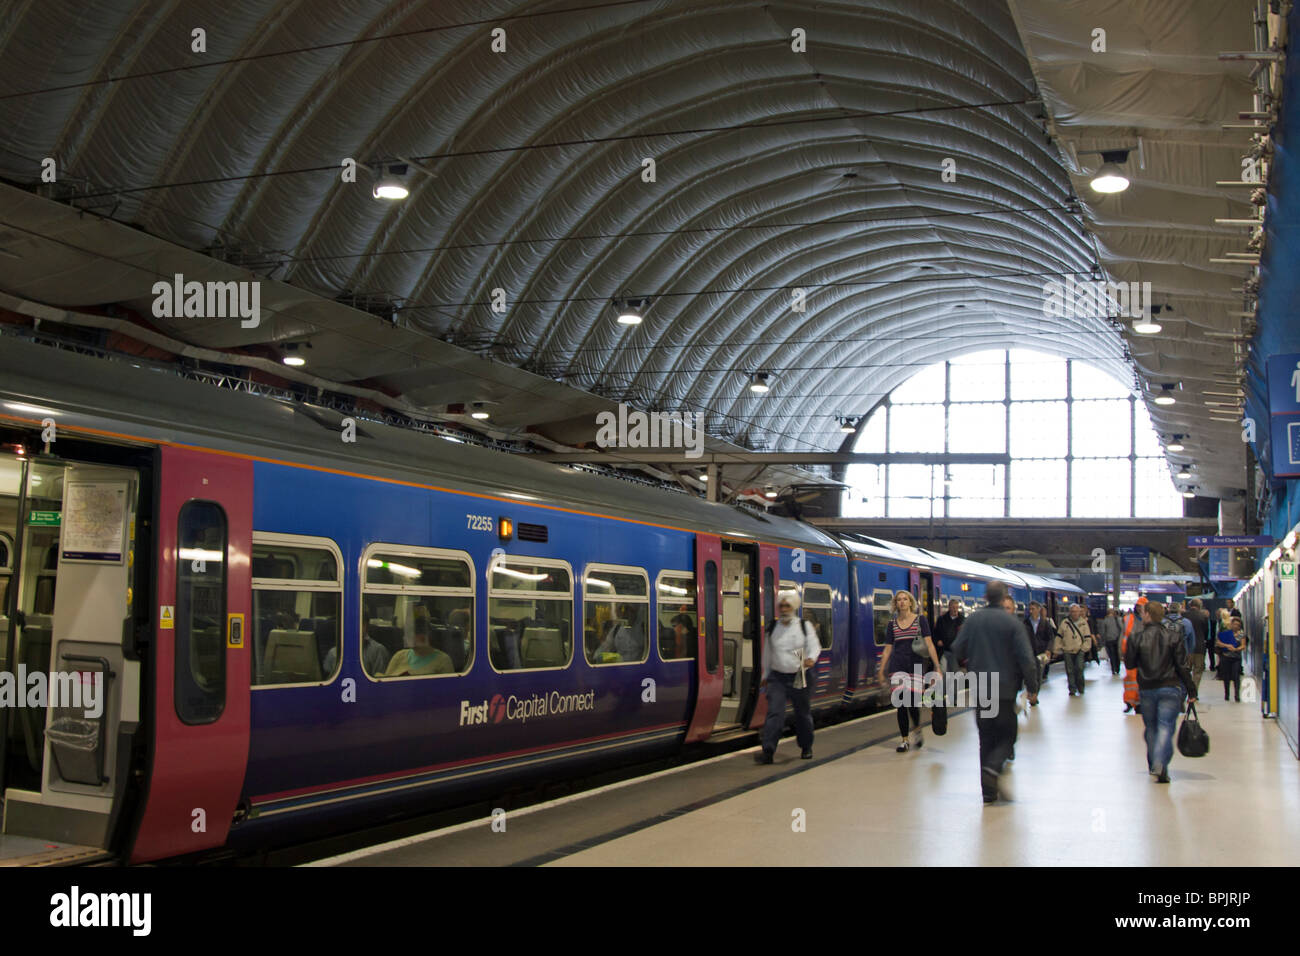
x=1284, y=414
x=1230, y=541
x=1134, y=560
x=1220, y=563
x=44, y=519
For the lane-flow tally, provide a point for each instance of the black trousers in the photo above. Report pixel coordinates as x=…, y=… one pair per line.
x=997, y=739
x=906, y=714
x=1112, y=652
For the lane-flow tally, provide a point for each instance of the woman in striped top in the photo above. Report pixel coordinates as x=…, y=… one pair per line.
x=905, y=668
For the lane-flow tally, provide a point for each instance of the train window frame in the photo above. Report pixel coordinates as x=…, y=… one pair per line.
x=415, y=551
x=686, y=576
x=828, y=606
x=183, y=631
x=617, y=598
x=306, y=542
x=515, y=595
x=877, y=606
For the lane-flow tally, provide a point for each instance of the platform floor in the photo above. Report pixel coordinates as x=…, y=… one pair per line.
x=1082, y=797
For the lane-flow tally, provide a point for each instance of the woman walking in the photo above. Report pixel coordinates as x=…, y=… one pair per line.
x=1231, y=642
x=909, y=654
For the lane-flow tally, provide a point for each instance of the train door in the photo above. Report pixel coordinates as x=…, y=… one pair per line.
x=708, y=659
x=739, y=614
x=200, y=653
x=769, y=574
x=67, y=581
x=922, y=586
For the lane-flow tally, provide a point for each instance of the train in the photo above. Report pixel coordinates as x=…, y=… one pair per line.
x=293, y=634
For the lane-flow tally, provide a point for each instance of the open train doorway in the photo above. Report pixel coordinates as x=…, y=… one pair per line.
x=67, y=579
x=741, y=642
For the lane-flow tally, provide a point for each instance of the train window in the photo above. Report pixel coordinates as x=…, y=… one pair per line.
x=817, y=609
x=417, y=612
x=530, y=614
x=883, y=612
x=616, y=612
x=297, y=600
x=711, y=616
x=678, y=615
x=200, y=660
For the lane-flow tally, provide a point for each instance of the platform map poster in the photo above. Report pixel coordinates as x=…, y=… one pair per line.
x=94, y=521
x=1284, y=414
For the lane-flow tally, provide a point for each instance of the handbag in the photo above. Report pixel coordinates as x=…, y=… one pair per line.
x=1193, y=741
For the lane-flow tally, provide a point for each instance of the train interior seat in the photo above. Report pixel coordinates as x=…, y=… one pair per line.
x=390, y=635
x=291, y=657
x=541, y=647
x=326, y=632
x=452, y=644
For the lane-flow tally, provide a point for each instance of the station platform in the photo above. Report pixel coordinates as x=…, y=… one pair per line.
x=1081, y=797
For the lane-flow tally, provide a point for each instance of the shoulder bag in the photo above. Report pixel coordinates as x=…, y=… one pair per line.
x=1193, y=741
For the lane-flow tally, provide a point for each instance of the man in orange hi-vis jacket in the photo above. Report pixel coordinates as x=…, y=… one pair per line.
x=1131, y=696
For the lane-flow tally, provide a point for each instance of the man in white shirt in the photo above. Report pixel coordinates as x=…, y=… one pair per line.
x=790, y=648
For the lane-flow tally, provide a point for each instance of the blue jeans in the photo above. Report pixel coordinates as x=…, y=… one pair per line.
x=1074, y=670
x=779, y=687
x=1160, y=709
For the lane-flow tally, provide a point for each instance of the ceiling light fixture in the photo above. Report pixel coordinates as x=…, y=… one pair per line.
x=758, y=383
x=479, y=412
x=848, y=423
x=631, y=311
x=1146, y=325
x=1165, y=395
x=293, y=355
x=770, y=492
x=1110, y=178
x=391, y=184
x=1176, y=443
x=1183, y=473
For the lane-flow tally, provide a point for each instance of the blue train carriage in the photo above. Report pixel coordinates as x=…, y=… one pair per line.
x=573, y=620
x=319, y=632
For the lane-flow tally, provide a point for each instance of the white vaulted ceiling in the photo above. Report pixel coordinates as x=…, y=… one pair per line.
x=1160, y=81
x=776, y=170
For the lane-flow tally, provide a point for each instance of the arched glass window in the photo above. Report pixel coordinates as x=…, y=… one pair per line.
x=1080, y=444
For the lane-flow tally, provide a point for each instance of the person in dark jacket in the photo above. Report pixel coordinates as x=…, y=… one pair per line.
x=1160, y=657
x=945, y=632
x=1042, y=635
x=995, y=646
x=1200, y=619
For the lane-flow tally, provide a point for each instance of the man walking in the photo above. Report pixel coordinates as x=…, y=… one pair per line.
x=1111, y=630
x=790, y=649
x=1042, y=635
x=945, y=632
x=1160, y=657
x=1200, y=619
x=1074, y=640
x=996, y=649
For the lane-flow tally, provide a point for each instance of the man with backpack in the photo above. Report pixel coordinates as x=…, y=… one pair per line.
x=790, y=647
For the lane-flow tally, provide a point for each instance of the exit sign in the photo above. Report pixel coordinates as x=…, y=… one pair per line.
x=48, y=519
